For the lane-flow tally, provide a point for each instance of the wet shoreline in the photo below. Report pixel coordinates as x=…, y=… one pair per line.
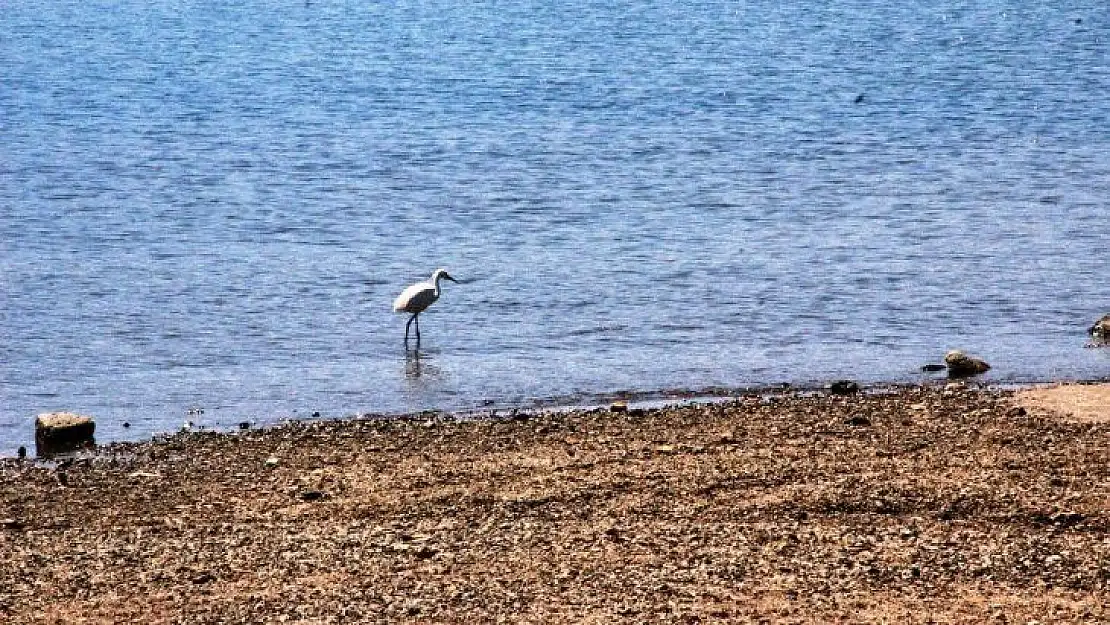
x=111, y=432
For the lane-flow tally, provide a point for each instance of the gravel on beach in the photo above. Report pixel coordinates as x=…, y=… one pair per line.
x=948, y=504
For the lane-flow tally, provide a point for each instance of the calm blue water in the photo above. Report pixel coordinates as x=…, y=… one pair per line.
x=206, y=206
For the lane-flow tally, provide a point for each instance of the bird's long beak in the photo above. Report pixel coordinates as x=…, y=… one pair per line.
x=448, y=277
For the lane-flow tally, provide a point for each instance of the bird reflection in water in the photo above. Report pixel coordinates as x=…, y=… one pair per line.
x=417, y=365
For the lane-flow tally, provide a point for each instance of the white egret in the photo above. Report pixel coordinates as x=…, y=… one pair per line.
x=417, y=298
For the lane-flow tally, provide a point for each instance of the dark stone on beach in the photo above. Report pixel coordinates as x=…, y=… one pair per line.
x=960, y=365
x=61, y=432
x=858, y=420
x=244, y=425
x=21, y=453
x=1016, y=411
x=313, y=495
x=844, y=387
x=12, y=524
x=933, y=368
x=1067, y=519
x=618, y=406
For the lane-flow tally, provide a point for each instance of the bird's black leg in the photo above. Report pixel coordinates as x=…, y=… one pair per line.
x=407, y=330
x=417, y=318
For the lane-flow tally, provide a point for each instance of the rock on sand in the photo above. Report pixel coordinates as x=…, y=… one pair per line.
x=58, y=432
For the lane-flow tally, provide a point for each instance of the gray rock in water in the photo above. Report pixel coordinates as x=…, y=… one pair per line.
x=1101, y=329
x=960, y=365
x=60, y=432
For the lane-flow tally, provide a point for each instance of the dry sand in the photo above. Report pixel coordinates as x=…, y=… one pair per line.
x=1080, y=402
x=915, y=505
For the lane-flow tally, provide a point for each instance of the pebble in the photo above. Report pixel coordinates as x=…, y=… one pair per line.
x=12, y=524
x=844, y=387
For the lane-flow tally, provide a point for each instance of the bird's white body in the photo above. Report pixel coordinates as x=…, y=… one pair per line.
x=418, y=297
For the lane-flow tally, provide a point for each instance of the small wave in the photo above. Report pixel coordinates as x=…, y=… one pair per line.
x=596, y=330
x=678, y=327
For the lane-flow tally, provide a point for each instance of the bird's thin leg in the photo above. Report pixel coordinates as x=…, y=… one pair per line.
x=417, y=318
x=407, y=330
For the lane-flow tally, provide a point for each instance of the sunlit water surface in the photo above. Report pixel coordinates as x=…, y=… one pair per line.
x=206, y=210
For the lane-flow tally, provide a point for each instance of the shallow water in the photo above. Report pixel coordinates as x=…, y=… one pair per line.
x=212, y=207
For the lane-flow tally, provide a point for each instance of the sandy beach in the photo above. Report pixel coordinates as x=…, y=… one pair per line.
x=949, y=504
